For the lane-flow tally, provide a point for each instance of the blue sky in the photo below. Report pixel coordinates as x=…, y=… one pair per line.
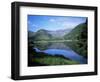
x=52, y=23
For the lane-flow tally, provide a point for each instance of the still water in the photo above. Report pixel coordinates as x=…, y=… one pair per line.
x=59, y=49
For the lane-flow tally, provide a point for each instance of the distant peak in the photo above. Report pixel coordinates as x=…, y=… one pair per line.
x=41, y=30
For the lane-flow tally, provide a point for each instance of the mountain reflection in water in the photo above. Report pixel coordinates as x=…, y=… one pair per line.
x=59, y=48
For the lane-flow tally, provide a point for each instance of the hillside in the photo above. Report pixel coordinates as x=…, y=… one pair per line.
x=30, y=34
x=59, y=33
x=79, y=37
x=41, y=35
x=78, y=33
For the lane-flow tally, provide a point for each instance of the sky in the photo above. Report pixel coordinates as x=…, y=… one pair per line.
x=53, y=23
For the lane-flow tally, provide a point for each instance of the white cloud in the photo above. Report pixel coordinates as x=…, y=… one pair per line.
x=52, y=20
x=34, y=25
x=69, y=25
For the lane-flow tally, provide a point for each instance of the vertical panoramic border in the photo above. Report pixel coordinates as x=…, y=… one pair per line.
x=15, y=40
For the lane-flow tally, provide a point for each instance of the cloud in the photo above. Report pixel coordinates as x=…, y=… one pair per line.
x=52, y=20
x=34, y=25
x=68, y=24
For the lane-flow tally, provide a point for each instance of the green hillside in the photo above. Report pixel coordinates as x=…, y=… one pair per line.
x=41, y=35
x=79, y=38
x=78, y=33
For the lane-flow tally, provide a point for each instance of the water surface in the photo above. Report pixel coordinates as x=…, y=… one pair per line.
x=59, y=48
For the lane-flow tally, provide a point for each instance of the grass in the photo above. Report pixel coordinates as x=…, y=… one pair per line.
x=41, y=59
x=54, y=60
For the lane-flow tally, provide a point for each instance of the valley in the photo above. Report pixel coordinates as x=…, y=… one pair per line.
x=58, y=47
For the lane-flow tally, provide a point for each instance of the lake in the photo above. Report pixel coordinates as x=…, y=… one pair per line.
x=59, y=48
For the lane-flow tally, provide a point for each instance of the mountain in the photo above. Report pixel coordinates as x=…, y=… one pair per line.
x=78, y=33
x=46, y=34
x=59, y=33
x=41, y=35
x=31, y=34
